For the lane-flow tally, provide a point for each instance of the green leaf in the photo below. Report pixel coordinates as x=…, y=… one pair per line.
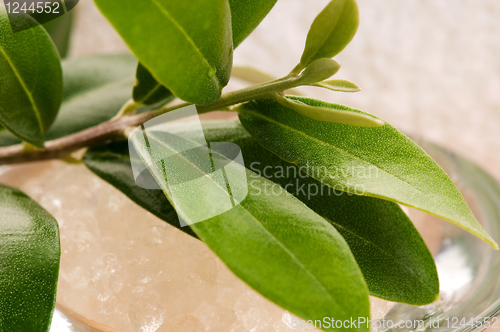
x=112, y=163
x=246, y=16
x=289, y=254
x=331, y=31
x=338, y=85
x=185, y=45
x=318, y=70
x=29, y=263
x=95, y=88
x=147, y=90
x=31, y=84
x=271, y=241
x=338, y=113
x=379, y=162
x=393, y=258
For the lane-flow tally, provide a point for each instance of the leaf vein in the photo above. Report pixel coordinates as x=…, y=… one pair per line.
x=25, y=88
x=384, y=252
x=188, y=38
x=332, y=146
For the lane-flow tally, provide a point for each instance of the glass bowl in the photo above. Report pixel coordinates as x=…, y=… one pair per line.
x=469, y=270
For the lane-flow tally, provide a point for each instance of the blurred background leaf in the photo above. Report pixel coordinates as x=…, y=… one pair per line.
x=60, y=31
x=95, y=88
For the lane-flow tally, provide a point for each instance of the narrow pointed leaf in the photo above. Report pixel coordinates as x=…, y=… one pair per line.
x=331, y=31
x=246, y=16
x=393, y=258
x=318, y=70
x=338, y=85
x=95, y=88
x=337, y=113
x=289, y=254
x=147, y=90
x=274, y=243
x=31, y=79
x=186, y=45
x=86, y=74
x=29, y=263
x=404, y=172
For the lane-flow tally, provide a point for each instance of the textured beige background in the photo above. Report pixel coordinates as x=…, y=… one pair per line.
x=429, y=67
